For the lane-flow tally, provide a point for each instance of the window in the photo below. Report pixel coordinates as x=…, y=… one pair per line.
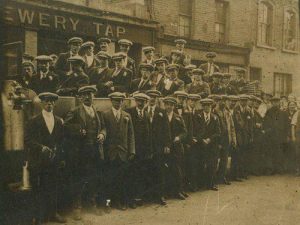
x=265, y=23
x=290, y=30
x=220, y=24
x=185, y=18
x=282, y=84
x=255, y=74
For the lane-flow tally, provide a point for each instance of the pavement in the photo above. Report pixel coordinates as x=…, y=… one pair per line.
x=266, y=200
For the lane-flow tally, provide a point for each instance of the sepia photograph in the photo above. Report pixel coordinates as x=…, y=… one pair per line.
x=152, y=112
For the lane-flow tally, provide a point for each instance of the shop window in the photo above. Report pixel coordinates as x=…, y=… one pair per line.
x=221, y=19
x=255, y=74
x=290, y=30
x=282, y=84
x=265, y=23
x=185, y=18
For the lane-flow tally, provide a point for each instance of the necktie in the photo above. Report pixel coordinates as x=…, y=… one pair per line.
x=117, y=116
x=140, y=113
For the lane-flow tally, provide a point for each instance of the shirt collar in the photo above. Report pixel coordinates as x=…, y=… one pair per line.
x=47, y=114
x=116, y=111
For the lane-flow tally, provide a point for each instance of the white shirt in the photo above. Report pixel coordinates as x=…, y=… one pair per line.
x=294, y=119
x=170, y=116
x=152, y=109
x=89, y=59
x=126, y=61
x=206, y=116
x=140, y=112
x=117, y=113
x=116, y=72
x=168, y=84
x=43, y=75
x=210, y=68
x=49, y=120
x=89, y=110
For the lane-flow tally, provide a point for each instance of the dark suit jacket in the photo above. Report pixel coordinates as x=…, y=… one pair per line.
x=120, y=139
x=159, y=84
x=69, y=86
x=177, y=85
x=99, y=79
x=198, y=88
x=74, y=122
x=177, y=129
x=190, y=120
x=37, y=136
x=62, y=66
x=87, y=69
x=135, y=85
x=217, y=89
x=141, y=133
x=48, y=84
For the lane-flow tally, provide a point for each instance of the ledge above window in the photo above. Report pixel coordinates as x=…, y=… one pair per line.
x=290, y=51
x=265, y=46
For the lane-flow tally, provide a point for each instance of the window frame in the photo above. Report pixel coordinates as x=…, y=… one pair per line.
x=281, y=84
x=225, y=34
x=293, y=10
x=189, y=16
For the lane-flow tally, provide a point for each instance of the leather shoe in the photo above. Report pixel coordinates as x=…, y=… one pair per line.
x=184, y=194
x=226, y=182
x=162, y=201
x=77, y=214
x=133, y=205
x=214, y=188
x=180, y=196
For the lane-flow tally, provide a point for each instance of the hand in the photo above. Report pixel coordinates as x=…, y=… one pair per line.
x=176, y=139
x=208, y=140
x=112, y=88
x=48, y=151
x=108, y=84
x=167, y=150
x=131, y=157
x=100, y=138
x=195, y=140
x=258, y=125
x=82, y=132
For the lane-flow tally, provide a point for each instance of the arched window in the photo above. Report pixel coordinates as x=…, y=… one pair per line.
x=265, y=23
x=290, y=30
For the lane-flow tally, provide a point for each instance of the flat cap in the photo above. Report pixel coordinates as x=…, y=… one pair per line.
x=180, y=41
x=53, y=56
x=76, y=58
x=161, y=60
x=28, y=57
x=172, y=67
x=233, y=97
x=104, y=39
x=27, y=63
x=148, y=49
x=181, y=94
x=170, y=99
x=190, y=67
x=102, y=55
x=240, y=69
x=198, y=71
x=217, y=74
x=141, y=96
x=117, y=95
x=45, y=58
x=176, y=52
x=211, y=55
x=153, y=93
x=146, y=66
x=257, y=99
x=194, y=97
x=48, y=95
x=125, y=42
x=87, y=89
x=206, y=101
x=224, y=97
x=119, y=55
x=75, y=40
x=215, y=97
x=87, y=44
x=244, y=97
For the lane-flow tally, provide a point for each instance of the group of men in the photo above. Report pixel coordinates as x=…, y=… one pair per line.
x=178, y=138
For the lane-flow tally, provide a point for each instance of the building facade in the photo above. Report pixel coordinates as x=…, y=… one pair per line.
x=260, y=35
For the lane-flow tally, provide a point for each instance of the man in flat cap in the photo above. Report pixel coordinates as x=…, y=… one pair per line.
x=216, y=86
x=103, y=44
x=178, y=134
x=26, y=57
x=229, y=88
x=54, y=58
x=28, y=73
x=120, y=150
x=87, y=53
x=198, y=85
x=100, y=74
x=160, y=144
x=63, y=66
x=76, y=79
x=276, y=127
x=210, y=67
x=44, y=80
x=207, y=129
x=129, y=63
x=186, y=73
x=180, y=46
x=240, y=81
x=142, y=178
x=144, y=82
x=86, y=133
x=181, y=97
x=160, y=74
x=172, y=84
x=176, y=57
x=149, y=55
x=119, y=79
x=43, y=143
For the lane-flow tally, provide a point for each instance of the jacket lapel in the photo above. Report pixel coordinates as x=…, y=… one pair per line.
x=82, y=114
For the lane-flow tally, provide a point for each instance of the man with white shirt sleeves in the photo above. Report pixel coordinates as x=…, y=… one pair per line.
x=44, y=80
x=87, y=53
x=129, y=63
x=62, y=66
x=43, y=142
x=172, y=84
x=86, y=133
x=160, y=74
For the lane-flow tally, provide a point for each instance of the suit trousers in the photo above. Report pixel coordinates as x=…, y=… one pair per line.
x=222, y=171
x=176, y=175
x=160, y=163
x=210, y=164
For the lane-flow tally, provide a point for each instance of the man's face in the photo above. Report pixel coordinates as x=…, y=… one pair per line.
x=180, y=99
x=175, y=58
x=189, y=73
x=256, y=104
x=191, y=103
x=74, y=47
x=152, y=101
x=104, y=46
x=250, y=103
x=43, y=66
x=54, y=59
x=169, y=107
x=292, y=107
x=76, y=66
x=276, y=103
x=225, y=80
x=140, y=104
x=180, y=46
x=48, y=104
x=161, y=67
x=210, y=60
x=232, y=104
x=103, y=62
x=28, y=71
x=117, y=103
x=244, y=102
x=222, y=103
x=206, y=108
x=124, y=48
x=196, y=78
x=216, y=80
x=89, y=50
x=240, y=75
x=119, y=63
x=173, y=73
x=145, y=73
x=149, y=55
x=87, y=98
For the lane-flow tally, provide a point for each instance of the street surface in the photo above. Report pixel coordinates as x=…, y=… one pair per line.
x=271, y=200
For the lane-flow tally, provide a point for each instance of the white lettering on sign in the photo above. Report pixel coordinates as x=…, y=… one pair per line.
x=44, y=19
